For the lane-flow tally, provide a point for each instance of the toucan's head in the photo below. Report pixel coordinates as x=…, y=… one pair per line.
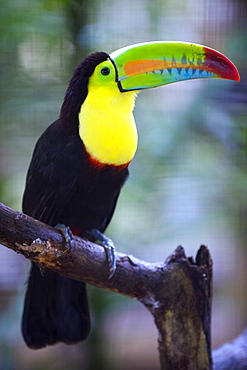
x=152, y=64
x=147, y=65
x=102, y=90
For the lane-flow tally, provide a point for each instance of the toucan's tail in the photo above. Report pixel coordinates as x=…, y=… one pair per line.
x=55, y=310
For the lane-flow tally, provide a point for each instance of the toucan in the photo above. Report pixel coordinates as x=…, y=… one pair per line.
x=80, y=164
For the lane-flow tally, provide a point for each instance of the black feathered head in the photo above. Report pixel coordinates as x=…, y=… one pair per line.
x=78, y=86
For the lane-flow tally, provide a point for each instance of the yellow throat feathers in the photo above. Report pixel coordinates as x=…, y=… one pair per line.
x=106, y=123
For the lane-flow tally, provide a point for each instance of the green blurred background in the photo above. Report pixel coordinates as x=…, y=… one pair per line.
x=188, y=179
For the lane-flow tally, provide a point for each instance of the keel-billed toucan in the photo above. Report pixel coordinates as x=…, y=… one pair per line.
x=81, y=162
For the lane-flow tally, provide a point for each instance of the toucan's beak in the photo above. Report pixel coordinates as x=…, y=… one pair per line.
x=152, y=64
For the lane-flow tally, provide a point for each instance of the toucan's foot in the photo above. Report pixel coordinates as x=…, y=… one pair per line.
x=109, y=246
x=67, y=233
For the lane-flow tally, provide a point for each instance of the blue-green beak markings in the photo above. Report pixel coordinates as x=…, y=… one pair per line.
x=153, y=64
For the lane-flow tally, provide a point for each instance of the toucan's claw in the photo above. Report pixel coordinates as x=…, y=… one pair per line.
x=111, y=256
x=67, y=233
x=109, y=246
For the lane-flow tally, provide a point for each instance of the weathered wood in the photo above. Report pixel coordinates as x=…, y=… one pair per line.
x=184, y=313
x=177, y=292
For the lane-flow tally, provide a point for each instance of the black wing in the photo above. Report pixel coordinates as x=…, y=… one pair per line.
x=50, y=181
x=55, y=308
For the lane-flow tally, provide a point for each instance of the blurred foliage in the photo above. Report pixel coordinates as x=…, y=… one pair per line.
x=188, y=179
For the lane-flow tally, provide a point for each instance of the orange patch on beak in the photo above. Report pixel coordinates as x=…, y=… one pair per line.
x=135, y=67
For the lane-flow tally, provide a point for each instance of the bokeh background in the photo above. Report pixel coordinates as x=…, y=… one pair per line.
x=188, y=179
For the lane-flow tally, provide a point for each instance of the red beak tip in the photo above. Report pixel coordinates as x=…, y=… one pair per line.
x=227, y=69
x=234, y=75
x=237, y=77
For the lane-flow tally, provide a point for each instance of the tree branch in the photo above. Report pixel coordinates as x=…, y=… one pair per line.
x=176, y=292
x=232, y=355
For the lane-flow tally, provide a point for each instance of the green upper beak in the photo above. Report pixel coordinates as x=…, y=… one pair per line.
x=152, y=64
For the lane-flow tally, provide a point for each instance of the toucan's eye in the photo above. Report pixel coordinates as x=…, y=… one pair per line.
x=105, y=71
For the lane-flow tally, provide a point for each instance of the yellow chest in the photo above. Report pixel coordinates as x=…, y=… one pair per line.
x=107, y=126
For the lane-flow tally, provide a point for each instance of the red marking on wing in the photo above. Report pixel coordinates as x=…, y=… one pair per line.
x=76, y=231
